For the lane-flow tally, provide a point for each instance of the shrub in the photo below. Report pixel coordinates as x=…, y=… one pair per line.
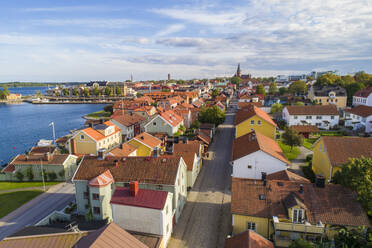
x=29, y=174
x=308, y=172
x=19, y=176
x=61, y=174
x=309, y=157
x=52, y=176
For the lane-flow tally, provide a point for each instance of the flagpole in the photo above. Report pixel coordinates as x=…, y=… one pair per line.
x=42, y=173
x=54, y=133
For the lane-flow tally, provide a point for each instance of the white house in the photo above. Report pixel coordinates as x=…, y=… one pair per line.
x=322, y=116
x=363, y=97
x=129, y=124
x=143, y=210
x=254, y=154
x=359, y=117
x=166, y=122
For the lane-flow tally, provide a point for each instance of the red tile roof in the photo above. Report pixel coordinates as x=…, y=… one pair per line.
x=171, y=117
x=255, y=141
x=97, y=136
x=102, y=180
x=145, y=198
x=128, y=119
x=248, y=239
x=125, y=151
x=364, y=92
x=360, y=110
x=250, y=111
x=148, y=140
x=313, y=110
x=187, y=152
x=286, y=175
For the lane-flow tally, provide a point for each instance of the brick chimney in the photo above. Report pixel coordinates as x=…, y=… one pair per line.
x=47, y=156
x=133, y=188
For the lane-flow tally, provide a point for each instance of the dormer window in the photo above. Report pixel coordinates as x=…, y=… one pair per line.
x=81, y=137
x=298, y=215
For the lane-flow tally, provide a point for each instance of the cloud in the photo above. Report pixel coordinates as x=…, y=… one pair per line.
x=170, y=30
x=89, y=22
x=71, y=9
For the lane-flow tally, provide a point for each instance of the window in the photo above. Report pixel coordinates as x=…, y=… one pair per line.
x=96, y=210
x=95, y=196
x=251, y=226
x=86, y=195
x=309, y=117
x=318, y=117
x=154, y=123
x=295, y=117
x=252, y=122
x=332, y=117
x=159, y=187
x=298, y=215
x=126, y=184
x=249, y=166
x=82, y=137
x=318, y=124
x=259, y=122
x=252, y=129
x=86, y=206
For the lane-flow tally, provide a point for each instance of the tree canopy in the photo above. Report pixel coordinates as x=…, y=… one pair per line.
x=108, y=91
x=211, y=115
x=235, y=80
x=273, y=89
x=298, y=87
x=357, y=175
x=4, y=92
x=260, y=89
x=292, y=138
x=276, y=107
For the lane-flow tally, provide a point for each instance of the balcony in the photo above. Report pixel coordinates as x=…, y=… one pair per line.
x=298, y=227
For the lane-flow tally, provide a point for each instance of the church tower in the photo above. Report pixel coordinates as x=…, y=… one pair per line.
x=238, y=73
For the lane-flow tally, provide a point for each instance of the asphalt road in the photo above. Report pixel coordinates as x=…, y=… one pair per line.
x=40, y=209
x=206, y=218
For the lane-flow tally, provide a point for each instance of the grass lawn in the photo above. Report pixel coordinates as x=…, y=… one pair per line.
x=12, y=201
x=309, y=142
x=99, y=114
x=18, y=185
x=290, y=155
x=330, y=133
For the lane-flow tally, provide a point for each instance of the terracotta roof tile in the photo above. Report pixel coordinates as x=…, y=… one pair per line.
x=255, y=141
x=102, y=180
x=286, y=175
x=313, y=110
x=141, y=169
x=187, y=152
x=56, y=159
x=42, y=149
x=128, y=119
x=125, y=151
x=340, y=149
x=334, y=204
x=148, y=140
x=250, y=111
x=171, y=117
x=145, y=198
x=248, y=239
x=364, y=92
x=97, y=136
x=111, y=236
x=360, y=110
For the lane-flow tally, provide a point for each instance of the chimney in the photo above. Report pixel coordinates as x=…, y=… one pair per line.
x=116, y=163
x=319, y=181
x=156, y=152
x=121, y=146
x=133, y=188
x=47, y=156
x=301, y=189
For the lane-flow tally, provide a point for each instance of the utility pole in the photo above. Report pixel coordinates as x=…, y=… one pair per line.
x=42, y=173
x=54, y=133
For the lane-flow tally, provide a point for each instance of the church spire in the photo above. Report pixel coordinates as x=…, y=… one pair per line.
x=238, y=74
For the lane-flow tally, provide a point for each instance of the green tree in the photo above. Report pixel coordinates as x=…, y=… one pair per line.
x=300, y=243
x=260, y=89
x=52, y=176
x=38, y=94
x=276, y=107
x=66, y=92
x=61, y=174
x=96, y=91
x=351, y=89
x=327, y=79
x=86, y=92
x=195, y=124
x=298, y=87
x=109, y=108
x=108, y=91
x=356, y=237
x=215, y=93
x=357, y=175
x=363, y=77
x=236, y=80
x=292, y=138
x=299, y=104
x=282, y=90
x=273, y=89
x=75, y=92
x=19, y=175
x=211, y=115
x=117, y=91
x=29, y=174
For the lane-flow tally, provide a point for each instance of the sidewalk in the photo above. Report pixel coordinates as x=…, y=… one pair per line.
x=29, y=204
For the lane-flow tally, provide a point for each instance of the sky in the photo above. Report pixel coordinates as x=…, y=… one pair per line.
x=83, y=40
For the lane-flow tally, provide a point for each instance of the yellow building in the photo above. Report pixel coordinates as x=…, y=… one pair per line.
x=290, y=208
x=91, y=140
x=253, y=118
x=145, y=144
x=326, y=95
x=331, y=152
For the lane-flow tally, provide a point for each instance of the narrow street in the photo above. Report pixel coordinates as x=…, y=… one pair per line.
x=206, y=220
x=37, y=209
